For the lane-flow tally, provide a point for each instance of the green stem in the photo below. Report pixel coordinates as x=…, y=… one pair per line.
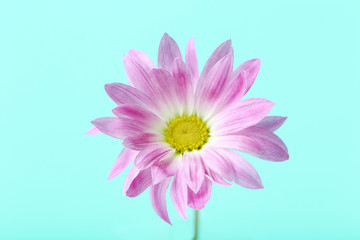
x=196, y=224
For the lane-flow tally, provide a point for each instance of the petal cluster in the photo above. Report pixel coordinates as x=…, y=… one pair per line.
x=159, y=97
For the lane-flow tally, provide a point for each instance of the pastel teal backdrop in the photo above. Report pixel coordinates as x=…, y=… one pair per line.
x=56, y=56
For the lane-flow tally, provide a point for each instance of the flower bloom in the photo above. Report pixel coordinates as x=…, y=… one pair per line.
x=179, y=126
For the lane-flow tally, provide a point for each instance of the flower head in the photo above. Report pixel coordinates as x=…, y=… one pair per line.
x=179, y=126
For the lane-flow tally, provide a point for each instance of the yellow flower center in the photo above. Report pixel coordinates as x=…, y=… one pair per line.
x=187, y=133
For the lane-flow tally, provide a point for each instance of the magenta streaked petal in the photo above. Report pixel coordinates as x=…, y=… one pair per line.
x=236, y=89
x=181, y=75
x=245, y=174
x=158, y=199
x=265, y=146
x=141, y=116
x=194, y=170
x=124, y=94
x=215, y=178
x=184, y=86
x=251, y=67
x=214, y=84
x=271, y=123
x=125, y=157
x=168, y=51
x=165, y=90
x=217, y=163
x=141, y=141
x=237, y=142
x=116, y=128
x=258, y=132
x=245, y=114
x=137, y=73
x=221, y=51
x=93, y=131
x=135, y=112
x=142, y=57
x=165, y=168
x=191, y=61
x=133, y=127
x=129, y=178
x=198, y=200
x=152, y=154
x=179, y=193
x=140, y=183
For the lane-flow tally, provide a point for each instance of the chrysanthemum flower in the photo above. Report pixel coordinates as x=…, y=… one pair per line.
x=179, y=126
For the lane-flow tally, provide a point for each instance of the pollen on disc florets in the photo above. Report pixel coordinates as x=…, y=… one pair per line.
x=187, y=133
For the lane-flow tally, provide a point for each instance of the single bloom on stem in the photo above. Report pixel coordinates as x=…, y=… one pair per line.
x=180, y=129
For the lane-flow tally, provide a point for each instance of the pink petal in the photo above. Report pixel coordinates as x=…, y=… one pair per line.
x=142, y=57
x=152, y=154
x=125, y=157
x=129, y=178
x=137, y=73
x=116, y=128
x=221, y=51
x=165, y=89
x=140, y=141
x=263, y=144
x=135, y=112
x=245, y=174
x=158, y=199
x=194, y=170
x=215, y=178
x=220, y=165
x=251, y=67
x=165, y=168
x=241, y=143
x=140, y=183
x=236, y=89
x=271, y=123
x=168, y=51
x=143, y=117
x=214, y=84
x=198, y=200
x=179, y=193
x=259, y=132
x=232, y=95
x=93, y=131
x=191, y=61
x=245, y=114
x=183, y=84
x=124, y=94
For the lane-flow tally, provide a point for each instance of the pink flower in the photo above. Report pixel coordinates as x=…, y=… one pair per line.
x=179, y=126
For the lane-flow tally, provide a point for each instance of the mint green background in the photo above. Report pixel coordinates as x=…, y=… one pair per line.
x=55, y=57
